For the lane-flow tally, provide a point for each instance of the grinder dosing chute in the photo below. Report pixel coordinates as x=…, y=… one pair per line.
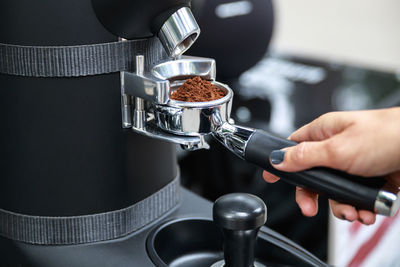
x=187, y=123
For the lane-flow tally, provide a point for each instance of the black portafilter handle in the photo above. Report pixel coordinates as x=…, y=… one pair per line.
x=363, y=193
x=240, y=216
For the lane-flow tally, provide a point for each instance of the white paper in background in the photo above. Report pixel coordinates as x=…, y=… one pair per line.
x=380, y=241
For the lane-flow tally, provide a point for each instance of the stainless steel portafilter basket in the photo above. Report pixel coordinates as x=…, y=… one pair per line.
x=187, y=123
x=194, y=118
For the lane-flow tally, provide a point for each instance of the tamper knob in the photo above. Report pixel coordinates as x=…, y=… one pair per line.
x=240, y=216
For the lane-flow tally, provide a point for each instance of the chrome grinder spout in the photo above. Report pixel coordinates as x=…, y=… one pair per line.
x=179, y=32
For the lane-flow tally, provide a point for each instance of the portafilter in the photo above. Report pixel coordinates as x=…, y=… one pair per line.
x=187, y=123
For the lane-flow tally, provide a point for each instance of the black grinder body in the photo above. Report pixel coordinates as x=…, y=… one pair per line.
x=63, y=150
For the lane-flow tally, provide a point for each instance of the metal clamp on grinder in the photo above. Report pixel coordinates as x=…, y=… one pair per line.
x=187, y=123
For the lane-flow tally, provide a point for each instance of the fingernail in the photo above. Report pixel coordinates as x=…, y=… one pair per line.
x=343, y=217
x=277, y=156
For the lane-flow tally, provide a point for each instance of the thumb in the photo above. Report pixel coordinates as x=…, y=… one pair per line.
x=302, y=156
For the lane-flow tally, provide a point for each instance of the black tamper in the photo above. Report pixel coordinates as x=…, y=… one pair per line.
x=240, y=216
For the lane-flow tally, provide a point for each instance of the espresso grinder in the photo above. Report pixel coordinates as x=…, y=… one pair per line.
x=88, y=166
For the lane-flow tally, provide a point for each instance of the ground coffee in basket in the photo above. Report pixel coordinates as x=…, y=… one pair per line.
x=198, y=90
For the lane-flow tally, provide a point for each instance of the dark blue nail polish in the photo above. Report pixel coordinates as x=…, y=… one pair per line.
x=277, y=156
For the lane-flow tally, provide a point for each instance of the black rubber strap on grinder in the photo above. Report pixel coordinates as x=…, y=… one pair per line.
x=89, y=228
x=80, y=60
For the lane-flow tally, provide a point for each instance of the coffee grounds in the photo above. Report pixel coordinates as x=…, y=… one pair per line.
x=198, y=90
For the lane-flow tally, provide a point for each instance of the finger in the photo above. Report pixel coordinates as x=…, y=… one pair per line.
x=321, y=128
x=366, y=217
x=270, y=178
x=307, y=201
x=303, y=156
x=343, y=211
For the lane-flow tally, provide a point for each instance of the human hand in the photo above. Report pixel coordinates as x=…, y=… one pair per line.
x=365, y=143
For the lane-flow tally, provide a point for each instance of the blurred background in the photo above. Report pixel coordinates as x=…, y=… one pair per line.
x=357, y=32
x=289, y=62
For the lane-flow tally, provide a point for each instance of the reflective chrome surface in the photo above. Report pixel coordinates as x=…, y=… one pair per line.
x=221, y=263
x=149, y=89
x=234, y=137
x=194, y=118
x=387, y=203
x=152, y=130
x=126, y=107
x=126, y=101
x=185, y=67
x=202, y=118
x=139, y=113
x=154, y=85
x=179, y=32
x=185, y=123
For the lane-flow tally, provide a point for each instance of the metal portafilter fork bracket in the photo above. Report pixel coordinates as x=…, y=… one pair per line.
x=187, y=123
x=145, y=91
